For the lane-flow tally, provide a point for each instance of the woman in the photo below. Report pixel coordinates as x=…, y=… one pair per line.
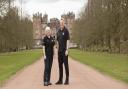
x=48, y=49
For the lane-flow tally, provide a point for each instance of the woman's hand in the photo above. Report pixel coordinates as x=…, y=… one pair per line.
x=66, y=53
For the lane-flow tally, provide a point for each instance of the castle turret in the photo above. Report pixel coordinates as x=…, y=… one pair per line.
x=69, y=19
x=39, y=24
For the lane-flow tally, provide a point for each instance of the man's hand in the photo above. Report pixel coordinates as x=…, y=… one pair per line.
x=44, y=57
x=66, y=52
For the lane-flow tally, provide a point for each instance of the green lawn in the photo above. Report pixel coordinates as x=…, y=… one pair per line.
x=115, y=65
x=10, y=63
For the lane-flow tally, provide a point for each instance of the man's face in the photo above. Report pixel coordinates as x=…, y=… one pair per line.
x=62, y=24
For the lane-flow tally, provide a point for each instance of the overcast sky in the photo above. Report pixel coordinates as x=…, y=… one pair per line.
x=54, y=8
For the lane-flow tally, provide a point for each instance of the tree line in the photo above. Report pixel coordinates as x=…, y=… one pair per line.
x=102, y=26
x=15, y=32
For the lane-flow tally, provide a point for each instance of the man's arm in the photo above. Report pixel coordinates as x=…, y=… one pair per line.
x=68, y=41
x=66, y=52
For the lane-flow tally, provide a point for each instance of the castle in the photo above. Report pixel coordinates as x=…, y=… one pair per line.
x=40, y=22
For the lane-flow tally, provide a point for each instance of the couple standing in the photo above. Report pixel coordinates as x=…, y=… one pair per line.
x=48, y=48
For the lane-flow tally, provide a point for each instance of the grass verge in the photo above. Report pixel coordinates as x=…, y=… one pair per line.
x=10, y=63
x=115, y=65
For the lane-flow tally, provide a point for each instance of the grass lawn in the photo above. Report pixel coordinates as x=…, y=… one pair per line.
x=10, y=63
x=115, y=65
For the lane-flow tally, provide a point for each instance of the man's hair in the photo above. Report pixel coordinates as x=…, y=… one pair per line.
x=62, y=19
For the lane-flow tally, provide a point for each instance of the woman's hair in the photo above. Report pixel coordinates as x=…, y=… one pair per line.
x=47, y=29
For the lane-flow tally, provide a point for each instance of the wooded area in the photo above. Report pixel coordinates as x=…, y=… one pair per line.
x=15, y=32
x=103, y=26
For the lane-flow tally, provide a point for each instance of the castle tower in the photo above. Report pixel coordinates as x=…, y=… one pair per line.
x=37, y=27
x=69, y=19
x=54, y=25
x=39, y=24
x=44, y=22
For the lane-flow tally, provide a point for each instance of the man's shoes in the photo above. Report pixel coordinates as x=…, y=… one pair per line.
x=46, y=84
x=66, y=82
x=49, y=83
x=59, y=83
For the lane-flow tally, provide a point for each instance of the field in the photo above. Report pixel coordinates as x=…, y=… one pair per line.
x=10, y=63
x=115, y=65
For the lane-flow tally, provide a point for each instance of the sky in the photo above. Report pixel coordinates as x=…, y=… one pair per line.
x=54, y=8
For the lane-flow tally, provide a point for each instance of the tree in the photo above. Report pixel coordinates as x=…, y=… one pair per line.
x=15, y=33
x=102, y=26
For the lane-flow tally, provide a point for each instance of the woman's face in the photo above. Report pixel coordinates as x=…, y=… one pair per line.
x=48, y=33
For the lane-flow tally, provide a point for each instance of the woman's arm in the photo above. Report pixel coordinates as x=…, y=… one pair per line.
x=43, y=44
x=44, y=52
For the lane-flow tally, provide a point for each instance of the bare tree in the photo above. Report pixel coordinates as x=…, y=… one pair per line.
x=102, y=26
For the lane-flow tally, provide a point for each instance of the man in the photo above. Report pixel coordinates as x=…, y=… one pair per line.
x=48, y=46
x=63, y=45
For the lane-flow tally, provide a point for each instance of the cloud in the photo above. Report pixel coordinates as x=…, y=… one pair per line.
x=40, y=1
x=47, y=1
x=54, y=8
